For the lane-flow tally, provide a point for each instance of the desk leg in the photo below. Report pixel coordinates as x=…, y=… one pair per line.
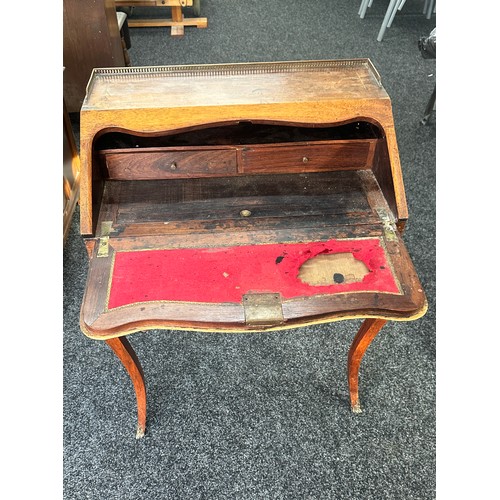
x=362, y=340
x=122, y=348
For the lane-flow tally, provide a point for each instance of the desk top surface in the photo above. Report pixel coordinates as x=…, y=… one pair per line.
x=232, y=84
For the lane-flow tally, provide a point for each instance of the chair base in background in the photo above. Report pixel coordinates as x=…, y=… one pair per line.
x=390, y=14
x=431, y=106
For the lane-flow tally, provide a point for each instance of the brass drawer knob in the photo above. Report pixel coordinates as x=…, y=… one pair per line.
x=305, y=159
x=173, y=166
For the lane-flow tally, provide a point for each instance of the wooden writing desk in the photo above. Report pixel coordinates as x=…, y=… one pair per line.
x=242, y=197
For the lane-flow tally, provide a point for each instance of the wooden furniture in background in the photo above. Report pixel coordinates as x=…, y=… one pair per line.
x=71, y=173
x=91, y=39
x=125, y=35
x=177, y=21
x=242, y=197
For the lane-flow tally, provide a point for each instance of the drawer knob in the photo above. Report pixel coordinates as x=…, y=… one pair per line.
x=305, y=159
x=245, y=213
x=173, y=166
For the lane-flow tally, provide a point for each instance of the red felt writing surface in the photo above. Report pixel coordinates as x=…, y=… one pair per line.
x=225, y=274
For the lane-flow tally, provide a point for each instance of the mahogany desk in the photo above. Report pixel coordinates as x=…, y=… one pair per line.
x=242, y=197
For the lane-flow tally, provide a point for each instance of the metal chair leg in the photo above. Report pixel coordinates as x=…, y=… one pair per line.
x=429, y=108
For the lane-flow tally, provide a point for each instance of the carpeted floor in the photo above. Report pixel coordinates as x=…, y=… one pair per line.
x=266, y=416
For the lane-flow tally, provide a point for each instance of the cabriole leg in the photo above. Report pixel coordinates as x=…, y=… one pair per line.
x=122, y=348
x=362, y=340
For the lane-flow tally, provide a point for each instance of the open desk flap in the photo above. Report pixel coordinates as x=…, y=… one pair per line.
x=248, y=287
x=246, y=253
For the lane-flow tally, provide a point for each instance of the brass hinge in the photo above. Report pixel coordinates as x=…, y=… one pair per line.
x=389, y=225
x=103, y=245
x=263, y=309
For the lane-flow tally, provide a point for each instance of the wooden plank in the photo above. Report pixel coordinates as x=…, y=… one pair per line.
x=199, y=22
x=195, y=237
x=286, y=207
x=176, y=190
x=153, y=3
x=310, y=227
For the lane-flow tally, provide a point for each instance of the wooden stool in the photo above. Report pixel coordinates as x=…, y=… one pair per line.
x=177, y=22
x=270, y=196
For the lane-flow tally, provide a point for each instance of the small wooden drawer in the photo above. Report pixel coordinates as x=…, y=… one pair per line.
x=338, y=155
x=160, y=164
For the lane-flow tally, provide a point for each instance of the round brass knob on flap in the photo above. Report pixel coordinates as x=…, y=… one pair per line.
x=245, y=213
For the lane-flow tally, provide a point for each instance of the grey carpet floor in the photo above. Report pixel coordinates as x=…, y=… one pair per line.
x=267, y=416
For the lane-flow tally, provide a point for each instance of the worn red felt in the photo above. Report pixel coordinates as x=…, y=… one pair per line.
x=225, y=274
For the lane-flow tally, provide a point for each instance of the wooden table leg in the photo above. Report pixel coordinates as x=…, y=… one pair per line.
x=122, y=348
x=177, y=17
x=362, y=340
